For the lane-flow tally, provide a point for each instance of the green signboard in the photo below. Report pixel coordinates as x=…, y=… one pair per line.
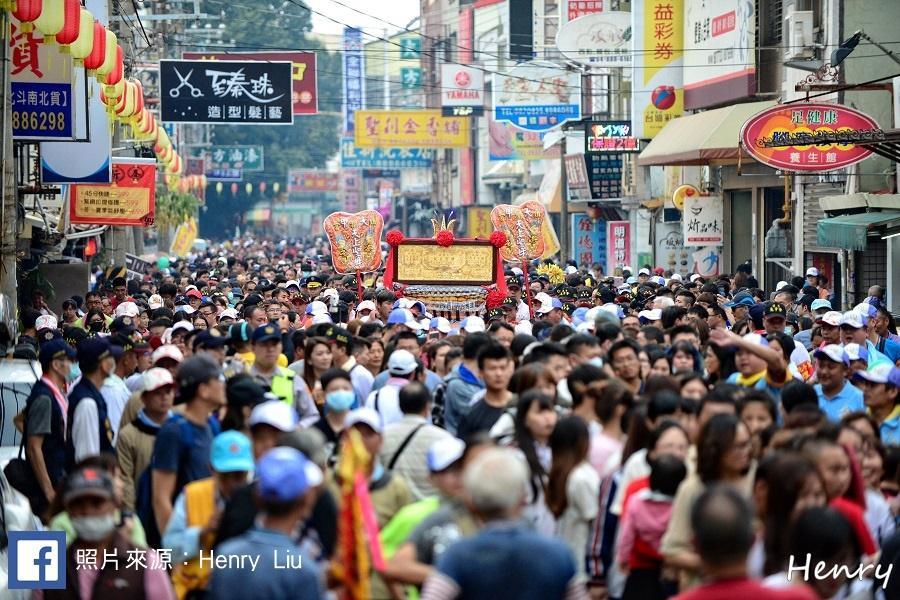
x=410, y=48
x=245, y=158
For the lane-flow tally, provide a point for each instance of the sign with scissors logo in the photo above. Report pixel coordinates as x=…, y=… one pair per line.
x=232, y=92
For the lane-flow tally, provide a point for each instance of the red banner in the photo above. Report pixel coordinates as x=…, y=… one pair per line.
x=305, y=91
x=809, y=137
x=129, y=200
x=618, y=245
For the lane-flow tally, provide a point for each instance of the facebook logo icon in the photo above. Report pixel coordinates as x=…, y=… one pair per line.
x=37, y=560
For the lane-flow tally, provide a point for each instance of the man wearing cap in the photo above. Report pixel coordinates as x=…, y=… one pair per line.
x=859, y=360
x=837, y=396
x=46, y=410
x=402, y=368
x=343, y=349
x=854, y=330
x=830, y=327
x=774, y=318
x=134, y=446
x=739, y=306
x=198, y=511
x=89, y=500
x=114, y=389
x=881, y=392
x=389, y=491
x=182, y=448
x=89, y=430
x=505, y=559
x=550, y=309
x=419, y=534
x=285, y=489
x=283, y=382
x=514, y=285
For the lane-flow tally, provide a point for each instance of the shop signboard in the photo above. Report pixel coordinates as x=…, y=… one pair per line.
x=128, y=200
x=354, y=76
x=618, y=245
x=537, y=96
x=588, y=240
x=244, y=158
x=507, y=142
x=703, y=220
x=572, y=9
x=600, y=39
x=809, y=136
x=384, y=158
x=410, y=128
x=610, y=136
x=462, y=87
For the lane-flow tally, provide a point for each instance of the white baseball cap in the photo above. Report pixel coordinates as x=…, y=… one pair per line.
x=570, y=269
x=366, y=305
x=127, y=309
x=402, y=362
x=832, y=317
x=695, y=277
x=644, y=272
x=473, y=325
x=853, y=319
x=756, y=339
x=185, y=325
x=320, y=318
x=316, y=307
x=155, y=378
x=857, y=352
x=780, y=285
x=366, y=416
x=883, y=372
x=663, y=302
x=275, y=413
x=651, y=315
x=812, y=272
x=166, y=351
x=185, y=308
x=46, y=322
x=833, y=352
x=440, y=324
x=675, y=277
x=444, y=453
x=155, y=301
x=228, y=313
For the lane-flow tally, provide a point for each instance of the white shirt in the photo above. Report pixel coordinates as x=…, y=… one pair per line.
x=386, y=401
x=116, y=394
x=85, y=432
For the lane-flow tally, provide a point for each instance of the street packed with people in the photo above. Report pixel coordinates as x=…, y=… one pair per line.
x=245, y=422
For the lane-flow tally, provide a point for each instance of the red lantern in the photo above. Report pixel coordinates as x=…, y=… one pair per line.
x=26, y=11
x=72, y=24
x=234, y=189
x=115, y=74
x=90, y=248
x=98, y=51
x=262, y=187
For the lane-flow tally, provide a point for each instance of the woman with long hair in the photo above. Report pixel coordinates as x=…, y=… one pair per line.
x=573, y=487
x=684, y=358
x=317, y=360
x=719, y=363
x=95, y=322
x=375, y=364
x=534, y=423
x=791, y=484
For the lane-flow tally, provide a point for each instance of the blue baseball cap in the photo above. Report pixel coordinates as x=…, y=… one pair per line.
x=741, y=299
x=231, y=452
x=819, y=304
x=284, y=474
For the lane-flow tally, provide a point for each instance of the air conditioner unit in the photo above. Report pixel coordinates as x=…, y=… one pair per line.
x=798, y=35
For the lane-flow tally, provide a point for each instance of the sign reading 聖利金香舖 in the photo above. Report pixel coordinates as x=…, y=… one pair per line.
x=409, y=128
x=809, y=136
x=226, y=92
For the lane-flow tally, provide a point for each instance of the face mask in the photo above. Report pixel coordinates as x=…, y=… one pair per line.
x=596, y=361
x=96, y=326
x=340, y=400
x=789, y=329
x=74, y=372
x=94, y=529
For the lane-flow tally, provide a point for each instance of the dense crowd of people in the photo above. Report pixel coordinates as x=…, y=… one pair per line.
x=635, y=437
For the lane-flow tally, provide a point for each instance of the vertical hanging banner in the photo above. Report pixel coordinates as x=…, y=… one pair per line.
x=618, y=245
x=658, y=94
x=304, y=90
x=354, y=77
x=42, y=87
x=128, y=200
x=588, y=240
x=83, y=161
x=225, y=92
x=719, y=53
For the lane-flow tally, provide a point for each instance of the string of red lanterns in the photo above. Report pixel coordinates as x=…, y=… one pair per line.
x=97, y=49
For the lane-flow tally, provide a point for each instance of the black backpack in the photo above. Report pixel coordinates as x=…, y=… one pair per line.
x=437, y=405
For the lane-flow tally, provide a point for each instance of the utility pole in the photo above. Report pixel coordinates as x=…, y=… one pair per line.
x=8, y=214
x=386, y=70
x=563, y=200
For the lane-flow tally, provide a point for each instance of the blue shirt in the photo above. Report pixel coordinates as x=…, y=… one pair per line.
x=890, y=428
x=763, y=384
x=276, y=574
x=848, y=400
x=187, y=458
x=508, y=560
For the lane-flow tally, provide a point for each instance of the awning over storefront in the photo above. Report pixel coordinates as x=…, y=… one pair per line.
x=851, y=231
x=507, y=170
x=702, y=137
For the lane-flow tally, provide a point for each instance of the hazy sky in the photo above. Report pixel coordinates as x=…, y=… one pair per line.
x=396, y=12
